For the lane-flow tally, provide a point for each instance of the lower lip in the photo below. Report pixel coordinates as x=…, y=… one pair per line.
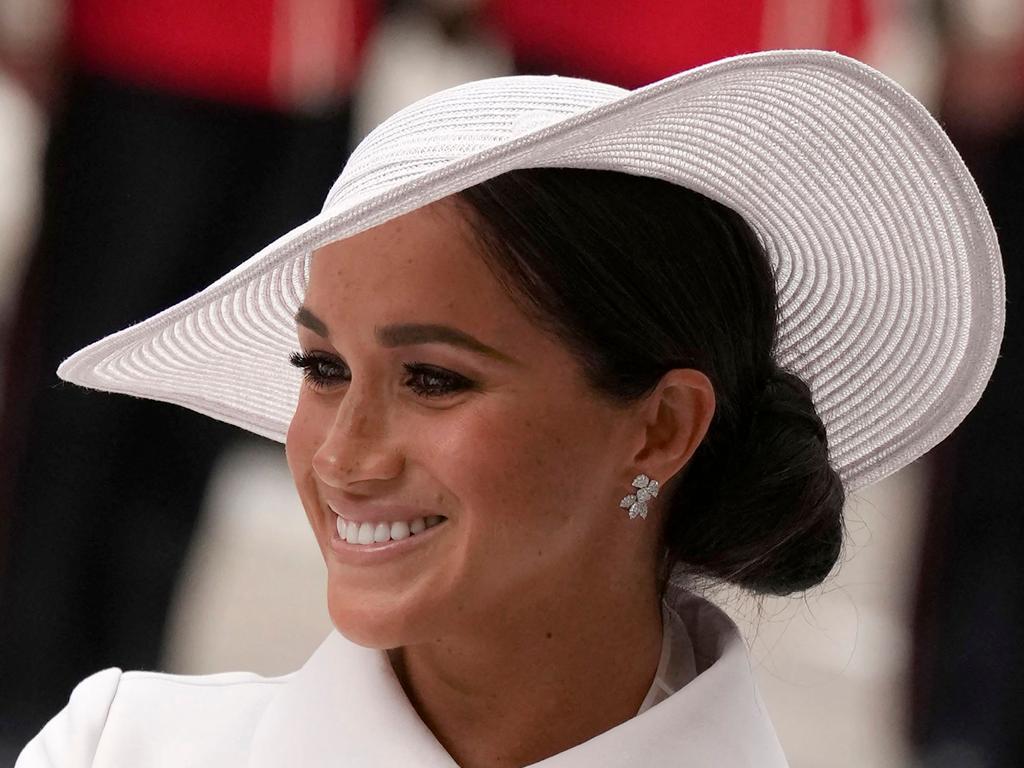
x=365, y=554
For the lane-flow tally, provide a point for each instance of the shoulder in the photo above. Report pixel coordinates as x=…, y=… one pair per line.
x=70, y=738
x=113, y=717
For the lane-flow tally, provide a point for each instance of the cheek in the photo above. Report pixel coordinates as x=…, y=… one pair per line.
x=304, y=437
x=298, y=445
x=514, y=473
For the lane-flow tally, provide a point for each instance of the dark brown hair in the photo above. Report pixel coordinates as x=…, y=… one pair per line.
x=637, y=276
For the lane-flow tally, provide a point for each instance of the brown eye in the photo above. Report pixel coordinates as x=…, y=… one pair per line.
x=317, y=369
x=430, y=381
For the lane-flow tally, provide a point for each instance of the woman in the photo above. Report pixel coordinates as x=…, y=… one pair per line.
x=567, y=351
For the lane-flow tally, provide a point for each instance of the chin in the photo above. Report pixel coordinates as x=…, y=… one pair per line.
x=367, y=621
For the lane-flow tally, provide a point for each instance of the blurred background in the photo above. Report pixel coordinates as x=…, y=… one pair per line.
x=147, y=146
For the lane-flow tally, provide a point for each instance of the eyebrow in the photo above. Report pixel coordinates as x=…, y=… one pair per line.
x=408, y=334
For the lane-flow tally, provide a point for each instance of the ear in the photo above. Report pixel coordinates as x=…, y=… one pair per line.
x=675, y=418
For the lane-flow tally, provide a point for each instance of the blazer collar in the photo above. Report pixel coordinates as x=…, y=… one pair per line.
x=346, y=707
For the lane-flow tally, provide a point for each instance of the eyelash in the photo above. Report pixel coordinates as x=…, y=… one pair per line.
x=311, y=365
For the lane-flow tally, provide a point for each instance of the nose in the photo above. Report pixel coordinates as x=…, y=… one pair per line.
x=356, y=445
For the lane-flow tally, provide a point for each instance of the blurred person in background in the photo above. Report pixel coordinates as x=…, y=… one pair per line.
x=626, y=44
x=184, y=136
x=632, y=44
x=968, y=673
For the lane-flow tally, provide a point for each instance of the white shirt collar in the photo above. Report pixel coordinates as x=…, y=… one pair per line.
x=677, y=664
x=346, y=707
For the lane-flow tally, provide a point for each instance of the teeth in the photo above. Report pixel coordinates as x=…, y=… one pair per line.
x=366, y=533
x=371, y=533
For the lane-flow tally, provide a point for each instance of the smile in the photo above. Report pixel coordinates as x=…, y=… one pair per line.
x=364, y=534
x=384, y=540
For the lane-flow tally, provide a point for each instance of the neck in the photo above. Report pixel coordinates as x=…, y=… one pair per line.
x=540, y=679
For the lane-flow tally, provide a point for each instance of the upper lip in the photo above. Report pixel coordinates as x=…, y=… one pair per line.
x=378, y=514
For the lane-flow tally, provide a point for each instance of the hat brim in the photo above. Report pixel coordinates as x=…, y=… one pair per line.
x=888, y=270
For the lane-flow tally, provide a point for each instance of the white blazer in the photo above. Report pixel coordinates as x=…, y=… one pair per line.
x=346, y=708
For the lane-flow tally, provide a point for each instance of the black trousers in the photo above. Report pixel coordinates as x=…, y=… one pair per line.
x=149, y=196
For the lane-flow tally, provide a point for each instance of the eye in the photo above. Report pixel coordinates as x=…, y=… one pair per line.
x=320, y=370
x=317, y=369
x=430, y=381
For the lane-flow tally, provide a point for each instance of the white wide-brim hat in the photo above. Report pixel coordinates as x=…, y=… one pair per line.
x=888, y=271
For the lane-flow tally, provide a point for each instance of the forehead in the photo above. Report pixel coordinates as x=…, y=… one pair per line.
x=424, y=266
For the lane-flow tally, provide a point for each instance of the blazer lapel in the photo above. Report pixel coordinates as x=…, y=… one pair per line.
x=717, y=720
x=344, y=707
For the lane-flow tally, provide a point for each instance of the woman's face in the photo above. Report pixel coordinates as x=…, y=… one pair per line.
x=500, y=436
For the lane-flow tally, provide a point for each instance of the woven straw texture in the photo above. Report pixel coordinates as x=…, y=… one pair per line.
x=887, y=265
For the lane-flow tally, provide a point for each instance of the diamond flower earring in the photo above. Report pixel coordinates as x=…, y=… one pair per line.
x=637, y=503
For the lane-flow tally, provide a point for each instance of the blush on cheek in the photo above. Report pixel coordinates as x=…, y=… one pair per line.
x=300, y=446
x=305, y=431
x=296, y=452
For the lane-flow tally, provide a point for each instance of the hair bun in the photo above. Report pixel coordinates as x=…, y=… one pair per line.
x=786, y=396
x=771, y=521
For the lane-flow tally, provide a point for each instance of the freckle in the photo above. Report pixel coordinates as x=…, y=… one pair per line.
x=549, y=635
